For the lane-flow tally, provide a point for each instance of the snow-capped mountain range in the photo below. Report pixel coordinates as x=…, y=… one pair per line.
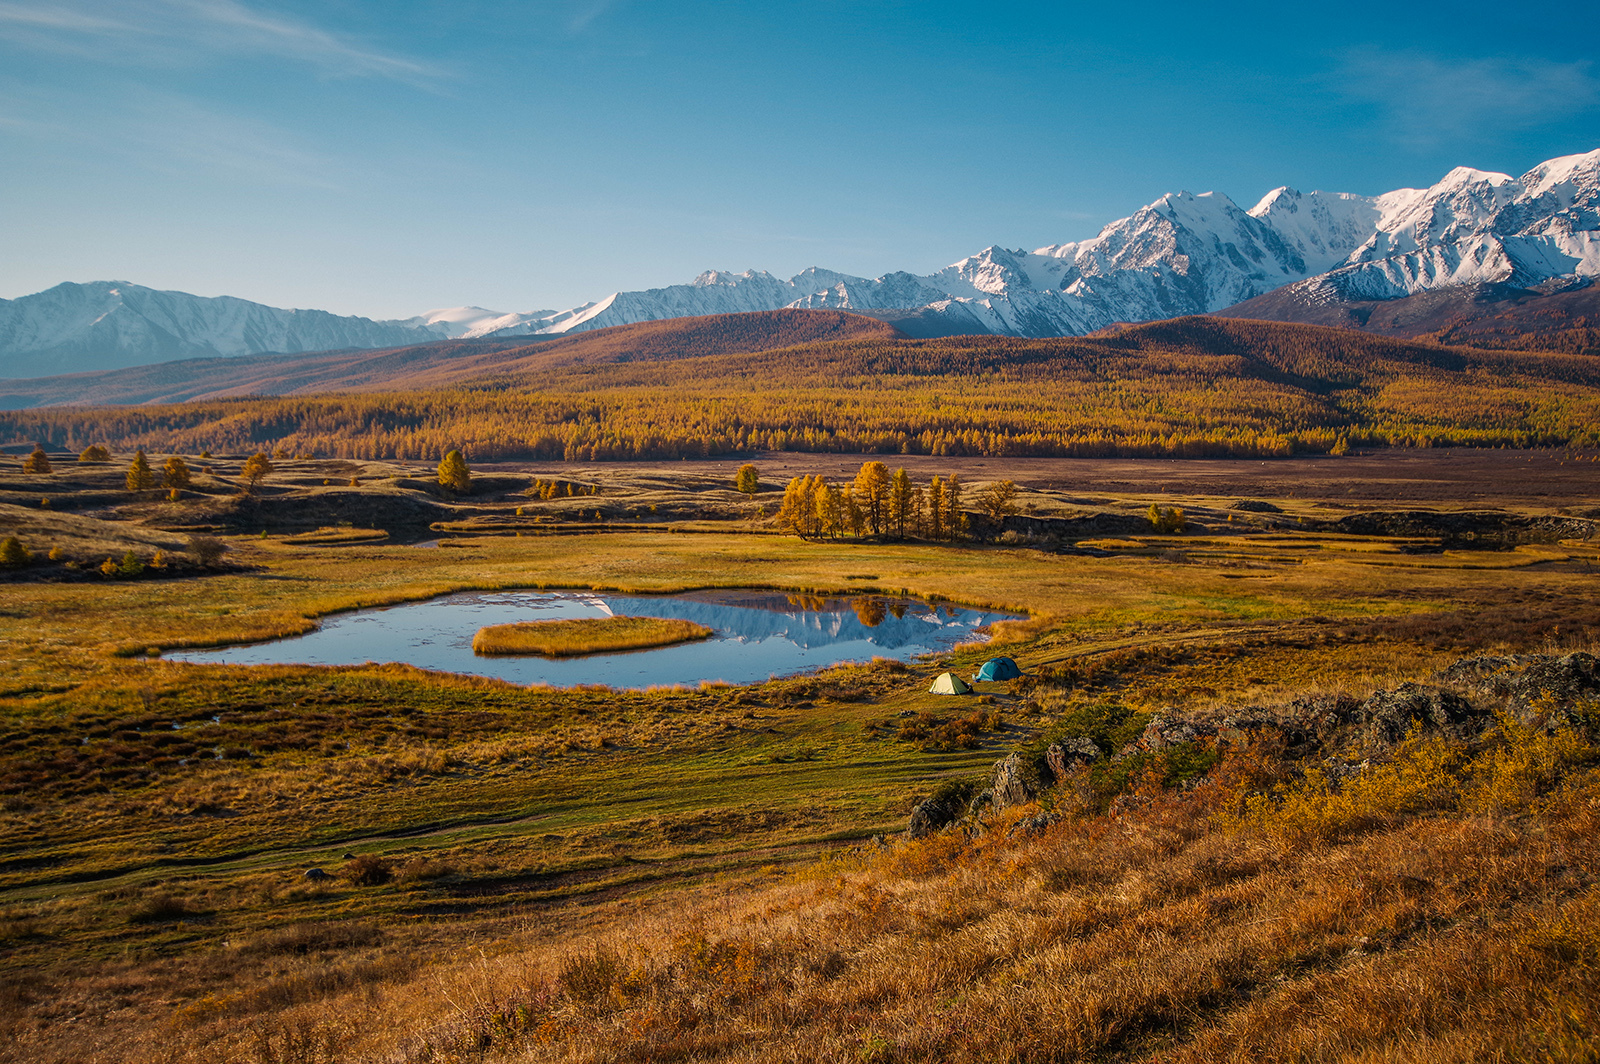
x=1182, y=254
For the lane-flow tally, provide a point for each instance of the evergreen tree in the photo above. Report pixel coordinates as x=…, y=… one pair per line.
x=94, y=453
x=955, y=522
x=749, y=479
x=936, y=509
x=454, y=474
x=37, y=462
x=13, y=555
x=175, y=474
x=256, y=467
x=830, y=509
x=872, y=491
x=999, y=500
x=140, y=478
x=902, y=503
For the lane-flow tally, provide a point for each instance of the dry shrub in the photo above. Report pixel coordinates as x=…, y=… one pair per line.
x=422, y=869
x=368, y=871
x=158, y=908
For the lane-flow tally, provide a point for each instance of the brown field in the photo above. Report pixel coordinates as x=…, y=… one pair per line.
x=1451, y=478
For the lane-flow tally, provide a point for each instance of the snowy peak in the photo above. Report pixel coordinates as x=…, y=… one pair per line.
x=454, y=323
x=111, y=324
x=1185, y=253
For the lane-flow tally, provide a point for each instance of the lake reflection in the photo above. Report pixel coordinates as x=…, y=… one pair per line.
x=758, y=634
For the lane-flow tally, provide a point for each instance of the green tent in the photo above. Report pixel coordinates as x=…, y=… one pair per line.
x=949, y=683
x=998, y=669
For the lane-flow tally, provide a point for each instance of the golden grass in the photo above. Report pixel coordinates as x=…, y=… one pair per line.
x=575, y=637
x=1414, y=919
x=330, y=537
x=501, y=812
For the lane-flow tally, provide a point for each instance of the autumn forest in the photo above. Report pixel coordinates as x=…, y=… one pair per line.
x=1192, y=387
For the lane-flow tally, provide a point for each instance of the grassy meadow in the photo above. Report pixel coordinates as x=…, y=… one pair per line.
x=717, y=873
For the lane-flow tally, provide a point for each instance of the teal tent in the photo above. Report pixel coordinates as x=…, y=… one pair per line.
x=997, y=669
x=948, y=683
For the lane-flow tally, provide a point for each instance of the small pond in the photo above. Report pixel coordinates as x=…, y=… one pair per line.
x=759, y=634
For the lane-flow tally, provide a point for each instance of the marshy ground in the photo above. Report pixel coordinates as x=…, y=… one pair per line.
x=691, y=873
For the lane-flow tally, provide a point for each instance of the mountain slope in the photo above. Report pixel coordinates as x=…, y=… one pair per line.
x=109, y=324
x=1551, y=317
x=442, y=363
x=1194, y=254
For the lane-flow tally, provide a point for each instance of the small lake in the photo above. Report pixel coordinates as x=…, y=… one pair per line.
x=759, y=634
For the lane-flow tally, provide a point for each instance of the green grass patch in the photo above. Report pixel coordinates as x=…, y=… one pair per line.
x=575, y=637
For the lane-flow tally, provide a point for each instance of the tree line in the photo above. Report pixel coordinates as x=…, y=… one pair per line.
x=879, y=503
x=1185, y=389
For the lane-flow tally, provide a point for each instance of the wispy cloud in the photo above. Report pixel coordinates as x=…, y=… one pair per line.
x=169, y=134
x=586, y=12
x=1425, y=100
x=181, y=136
x=166, y=31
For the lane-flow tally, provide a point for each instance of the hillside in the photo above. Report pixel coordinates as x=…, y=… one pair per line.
x=1186, y=388
x=1482, y=315
x=441, y=364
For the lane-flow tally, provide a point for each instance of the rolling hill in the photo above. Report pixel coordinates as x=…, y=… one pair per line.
x=440, y=364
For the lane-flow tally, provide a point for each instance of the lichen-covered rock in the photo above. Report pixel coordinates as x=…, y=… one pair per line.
x=1388, y=716
x=1069, y=754
x=1161, y=734
x=1563, y=681
x=1033, y=825
x=944, y=807
x=1008, y=785
x=1315, y=720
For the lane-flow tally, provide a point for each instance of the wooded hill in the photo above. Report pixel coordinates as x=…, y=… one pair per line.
x=1186, y=387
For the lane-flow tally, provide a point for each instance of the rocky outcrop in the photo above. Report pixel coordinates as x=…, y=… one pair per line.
x=1008, y=785
x=1388, y=716
x=944, y=807
x=1529, y=679
x=1343, y=733
x=1068, y=755
x=1474, y=529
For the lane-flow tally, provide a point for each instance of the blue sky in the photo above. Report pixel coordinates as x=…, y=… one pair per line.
x=387, y=158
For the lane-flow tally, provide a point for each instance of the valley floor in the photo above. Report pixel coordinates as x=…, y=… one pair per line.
x=719, y=874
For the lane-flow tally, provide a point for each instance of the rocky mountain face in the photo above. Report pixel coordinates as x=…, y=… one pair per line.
x=1183, y=254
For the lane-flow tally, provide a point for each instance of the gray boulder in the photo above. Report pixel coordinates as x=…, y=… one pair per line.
x=1388, y=716
x=1008, y=785
x=1067, y=755
x=944, y=807
x=316, y=874
x=1162, y=733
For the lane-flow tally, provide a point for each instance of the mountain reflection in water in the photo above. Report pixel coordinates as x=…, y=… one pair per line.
x=758, y=634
